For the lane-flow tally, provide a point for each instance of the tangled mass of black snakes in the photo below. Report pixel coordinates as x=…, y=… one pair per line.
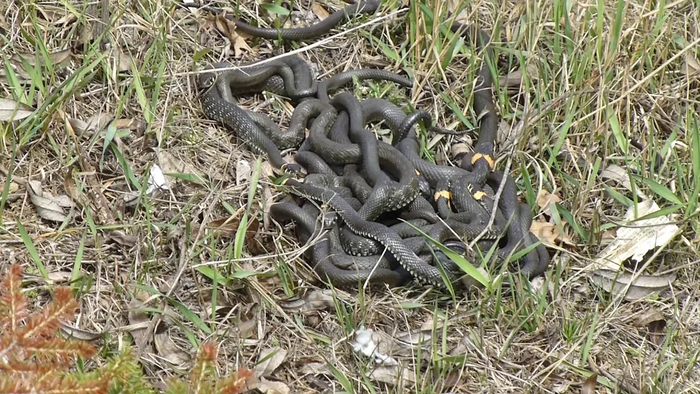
x=387, y=206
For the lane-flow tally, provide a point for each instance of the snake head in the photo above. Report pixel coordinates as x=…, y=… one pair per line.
x=207, y=78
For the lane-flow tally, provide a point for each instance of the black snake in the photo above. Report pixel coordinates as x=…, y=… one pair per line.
x=385, y=195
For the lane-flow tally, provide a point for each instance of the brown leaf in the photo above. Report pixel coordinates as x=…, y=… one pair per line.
x=121, y=61
x=313, y=301
x=269, y=360
x=514, y=79
x=59, y=277
x=319, y=11
x=691, y=67
x=168, y=350
x=33, y=58
x=393, y=375
x=549, y=233
x=655, y=323
x=94, y=124
x=228, y=29
x=453, y=379
x=589, y=385
x=227, y=227
x=458, y=150
x=239, y=45
x=11, y=110
x=546, y=199
x=136, y=125
x=641, y=287
x=269, y=387
x=246, y=324
x=174, y=165
x=222, y=25
x=80, y=334
x=657, y=332
x=94, y=200
x=454, y=5
x=73, y=191
x=316, y=369
x=46, y=208
x=138, y=321
x=123, y=238
x=55, y=15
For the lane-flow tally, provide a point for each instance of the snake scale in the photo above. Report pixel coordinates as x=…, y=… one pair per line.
x=385, y=196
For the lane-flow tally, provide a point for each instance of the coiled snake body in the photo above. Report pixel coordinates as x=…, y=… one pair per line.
x=369, y=183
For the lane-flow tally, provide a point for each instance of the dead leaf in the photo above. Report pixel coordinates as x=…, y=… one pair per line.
x=95, y=123
x=80, y=334
x=228, y=29
x=59, y=277
x=316, y=369
x=122, y=61
x=549, y=233
x=12, y=195
x=691, y=67
x=246, y=324
x=11, y=110
x=454, y=5
x=636, y=239
x=92, y=197
x=227, y=228
x=458, y=150
x=655, y=323
x=168, y=350
x=123, y=238
x=156, y=180
x=138, y=321
x=393, y=375
x=589, y=385
x=46, y=208
x=657, y=332
x=136, y=125
x=33, y=58
x=239, y=45
x=368, y=342
x=545, y=200
x=620, y=175
x=173, y=165
x=319, y=11
x=72, y=190
x=266, y=170
x=269, y=360
x=312, y=301
x=269, y=199
x=55, y=15
x=639, y=287
x=63, y=200
x=269, y=387
x=515, y=79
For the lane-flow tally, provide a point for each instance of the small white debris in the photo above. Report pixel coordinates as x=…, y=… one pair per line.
x=364, y=344
x=156, y=180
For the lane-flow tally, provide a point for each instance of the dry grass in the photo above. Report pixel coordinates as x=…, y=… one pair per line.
x=612, y=71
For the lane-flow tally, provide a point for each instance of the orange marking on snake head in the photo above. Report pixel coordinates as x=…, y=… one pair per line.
x=488, y=159
x=443, y=193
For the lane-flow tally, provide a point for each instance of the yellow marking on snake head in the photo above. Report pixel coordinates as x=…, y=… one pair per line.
x=479, y=195
x=488, y=159
x=443, y=193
